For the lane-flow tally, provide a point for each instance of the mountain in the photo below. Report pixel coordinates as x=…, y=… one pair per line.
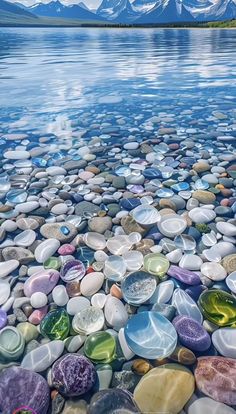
x=81, y=4
x=220, y=10
x=117, y=11
x=144, y=6
x=11, y=14
x=169, y=11
x=59, y=10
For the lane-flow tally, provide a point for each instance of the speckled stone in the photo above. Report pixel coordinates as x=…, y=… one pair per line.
x=73, y=375
x=191, y=333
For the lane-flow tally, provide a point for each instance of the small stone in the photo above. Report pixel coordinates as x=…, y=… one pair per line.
x=204, y=197
x=213, y=271
x=91, y=283
x=208, y=405
x=43, y=357
x=55, y=325
x=141, y=366
x=224, y=341
x=183, y=356
x=192, y=334
x=100, y=224
x=46, y=249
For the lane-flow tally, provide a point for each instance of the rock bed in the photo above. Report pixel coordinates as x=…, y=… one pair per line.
x=118, y=268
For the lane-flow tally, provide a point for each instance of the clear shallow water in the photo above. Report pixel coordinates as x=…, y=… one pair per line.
x=52, y=77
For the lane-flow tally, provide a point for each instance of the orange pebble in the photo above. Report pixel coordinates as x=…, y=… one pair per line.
x=116, y=291
x=53, y=394
x=219, y=186
x=89, y=270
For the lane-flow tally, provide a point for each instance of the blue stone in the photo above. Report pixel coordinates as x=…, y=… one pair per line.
x=16, y=196
x=201, y=185
x=138, y=287
x=151, y=173
x=129, y=203
x=180, y=186
x=85, y=255
x=65, y=230
x=40, y=162
x=195, y=291
x=164, y=193
x=150, y=335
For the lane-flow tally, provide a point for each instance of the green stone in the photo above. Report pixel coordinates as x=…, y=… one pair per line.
x=55, y=325
x=156, y=264
x=218, y=307
x=100, y=347
x=52, y=263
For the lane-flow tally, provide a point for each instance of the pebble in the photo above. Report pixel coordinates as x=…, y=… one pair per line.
x=43, y=357
x=91, y=283
x=46, y=249
x=208, y=405
x=223, y=340
x=8, y=267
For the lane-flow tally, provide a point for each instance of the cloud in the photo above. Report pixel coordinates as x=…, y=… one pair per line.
x=92, y=4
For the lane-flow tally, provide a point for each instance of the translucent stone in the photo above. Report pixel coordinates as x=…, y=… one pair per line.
x=115, y=268
x=88, y=320
x=16, y=196
x=119, y=245
x=185, y=305
x=146, y=215
x=218, y=307
x=164, y=193
x=185, y=242
x=172, y=225
x=138, y=287
x=231, y=282
x=150, y=335
x=156, y=264
x=133, y=260
x=74, y=269
x=100, y=347
x=95, y=240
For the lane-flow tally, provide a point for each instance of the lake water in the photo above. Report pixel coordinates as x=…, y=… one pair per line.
x=50, y=78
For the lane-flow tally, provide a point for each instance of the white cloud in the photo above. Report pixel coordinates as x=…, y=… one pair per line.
x=92, y=4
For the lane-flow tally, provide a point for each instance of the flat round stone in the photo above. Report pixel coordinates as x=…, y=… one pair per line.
x=95, y=241
x=185, y=242
x=12, y=344
x=133, y=260
x=201, y=215
x=138, y=287
x=213, y=271
x=88, y=320
x=71, y=270
x=119, y=245
x=150, y=335
x=224, y=341
x=156, y=264
x=115, y=313
x=77, y=304
x=145, y=215
x=172, y=225
x=114, y=268
x=4, y=291
x=218, y=307
x=46, y=249
x=100, y=347
x=91, y=283
x=191, y=333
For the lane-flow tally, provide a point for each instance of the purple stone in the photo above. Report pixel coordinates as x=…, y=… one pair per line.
x=3, y=318
x=20, y=387
x=73, y=375
x=191, y=333
x=71, y=270
x=43, y=281
x=184, y=275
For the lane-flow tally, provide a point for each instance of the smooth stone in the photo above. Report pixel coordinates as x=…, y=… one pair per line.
x=145, y=215
x=207, y=405
x=27, y=223
x=30, y=389
x=133, y=260
x=66, y=249
x=91, y=283
x=75, y=407
x=213, y=271
x=74, y=343
x=231, y=282
x=119, y=245
x=38, y=300
x=204, y=197
x=16, y=155
x=115, y=313
x=100, y=224
x=138, y=287
x=20, y=254
x=8, y=267
x=183, y=356
x=71, y=270
x=150, y=335
x=174, y=256
x=63, y=232
x=37, y=315
x=191, y=333
x=114, y=268
x=165, y=389
x=185, y=305
x=164, y=291
x=216, y=377
x=12, y=344
x=127, y=352
x=141, y=366
x=77, y=304
x=28, y=331
x=43, y=281
x=185, y=242
x=88, y=320
x=156, y=264
x=25, y=239
x=190, y=262
x=26, y=207
x=5, y=291
x=227, y=229
x=46, y=249
x=104, y=373
x=95, y=241
x=172, y=225
x=113, y=401
x=129, y=225
x=229, y=263
x=224, y=340
x=43, y=357
x=184, y=275
x=218, y=307
x=100, y=347
x=55, y=325
x=3, y=318
x=209, y=239
x=98, y=300
x=201, y=215
x=166, y=310
x=73, y=375
x=60, y=296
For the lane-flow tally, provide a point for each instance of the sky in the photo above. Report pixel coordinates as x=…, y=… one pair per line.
x=92, y=4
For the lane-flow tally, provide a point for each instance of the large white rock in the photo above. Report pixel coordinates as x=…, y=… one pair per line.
x=7, y=267
x=46, y=249
x=227, y=229
x=43, y=357
x=16, y=155
x=4, y=291
x=25, y=238
x=91, y=283
x=201, y=215
x=224, y=340
x=26, y=207
x=190, y=262
x=60, y=295
x=213, y=271
x=208, y=406
x=115, y=313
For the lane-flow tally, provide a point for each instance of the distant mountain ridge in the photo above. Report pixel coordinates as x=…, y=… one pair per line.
x=138, y=12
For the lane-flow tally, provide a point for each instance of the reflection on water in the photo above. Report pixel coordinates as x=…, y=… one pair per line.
x=64, y=71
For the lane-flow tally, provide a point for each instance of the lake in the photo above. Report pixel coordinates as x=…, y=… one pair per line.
x=71, y=74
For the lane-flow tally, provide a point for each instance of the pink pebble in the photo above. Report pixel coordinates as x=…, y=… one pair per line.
x=37, y=315
x=66, y=249
x=224, y=202
x=86, y=175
